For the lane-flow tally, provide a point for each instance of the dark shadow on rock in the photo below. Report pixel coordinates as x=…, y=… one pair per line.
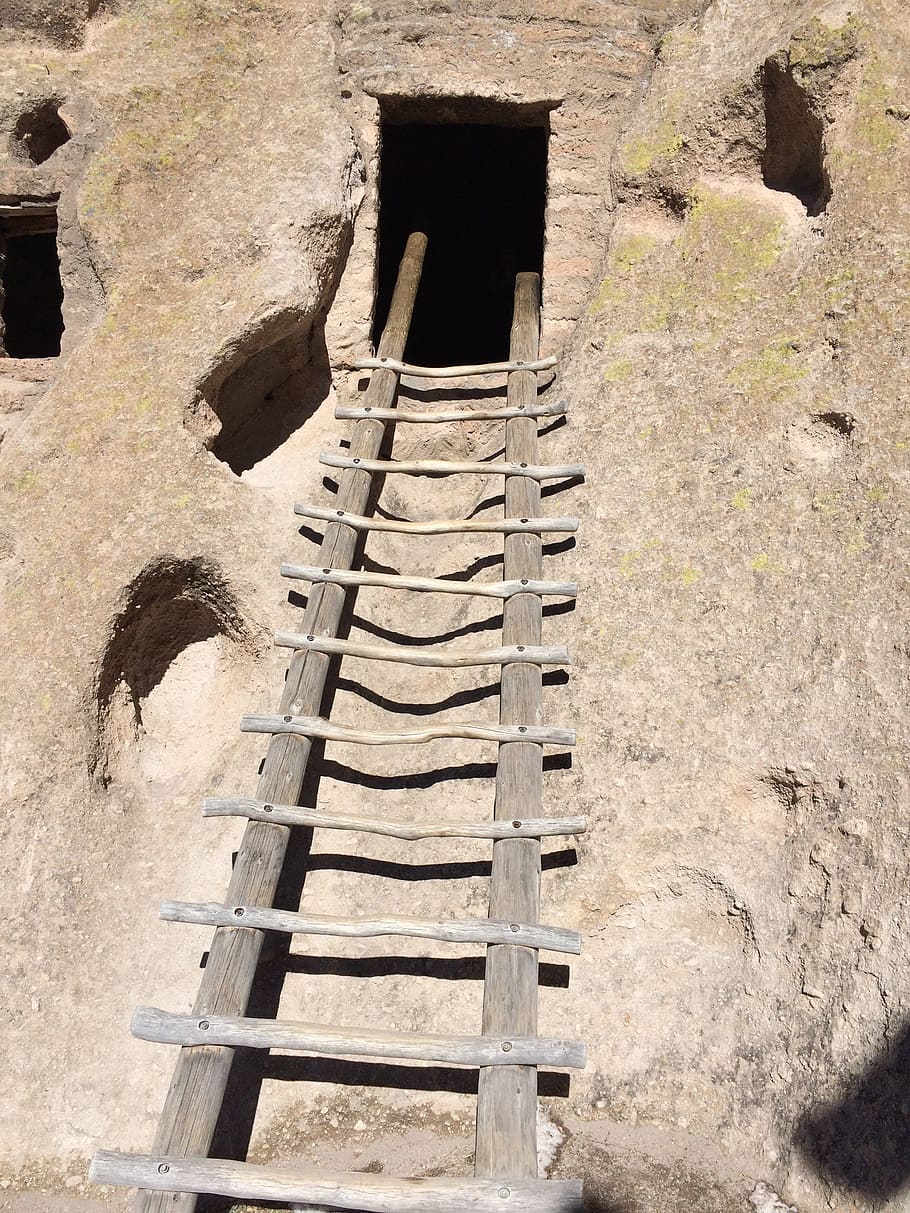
x=550, y=489
x=428, y=779
x=455, y=700
x=459, y=395
x=402, y=1077
x=490, y=624
x=440, y=968
x=266, y=390
x=463, y=869
x=862, y=1141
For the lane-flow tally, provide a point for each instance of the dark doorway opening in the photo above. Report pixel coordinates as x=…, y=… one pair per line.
x=478, y=191
x=32, y=294
x=794, y=156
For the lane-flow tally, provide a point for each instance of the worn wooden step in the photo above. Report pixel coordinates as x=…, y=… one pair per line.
x=440, y=526
x=555, y=408
x=317, y=726
x=454, y=372
x=438, y=585
x=440, y=656
x=336, y=1190
x=410, y=831
x=165, y=1027
x=455, y=930
x=452, y=467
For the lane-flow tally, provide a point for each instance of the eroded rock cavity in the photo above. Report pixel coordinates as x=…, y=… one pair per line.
x=166, y=668
x=250, y=405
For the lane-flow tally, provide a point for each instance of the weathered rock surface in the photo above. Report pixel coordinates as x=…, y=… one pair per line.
x=726, y=278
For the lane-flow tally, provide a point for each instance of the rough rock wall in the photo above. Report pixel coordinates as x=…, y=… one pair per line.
x=741, y=378
x=736, y=369
x=62, y=22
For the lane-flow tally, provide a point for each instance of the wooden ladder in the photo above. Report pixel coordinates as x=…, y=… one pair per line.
x=508, y=1050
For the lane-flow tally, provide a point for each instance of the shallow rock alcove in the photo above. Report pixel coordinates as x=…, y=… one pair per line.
x=40, y=131
x=252, y=403
x=174, y=675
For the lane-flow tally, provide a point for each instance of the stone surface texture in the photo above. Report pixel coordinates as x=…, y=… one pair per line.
x=726, y=280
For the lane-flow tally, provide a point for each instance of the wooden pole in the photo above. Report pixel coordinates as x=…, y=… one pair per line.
x=506, y=1139
x=352, y=1190
x=193, y=1103
x=447, y=930
x=456, y=372
x=409, y=831
x=450, y=467
x=437, y=656
x=431, y=585
x=325, y=1040
x=438, y=526
x=346, y=412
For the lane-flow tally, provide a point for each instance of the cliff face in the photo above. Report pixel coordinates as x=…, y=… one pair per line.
x=726, y=275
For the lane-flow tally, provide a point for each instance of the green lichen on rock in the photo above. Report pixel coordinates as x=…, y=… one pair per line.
x=763, y=562
x=632, y=249
x=619, y=370
x=735, y=240
x=816, y=45
x=659, y=143
x=713, y=268
x=662, y=143
x=726, y=245
x=178, y=98
x=773, y=374
x=677, y=43
x=626, y=255
x=876, y=128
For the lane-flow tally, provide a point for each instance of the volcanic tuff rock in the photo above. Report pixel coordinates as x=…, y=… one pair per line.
x=726, y=280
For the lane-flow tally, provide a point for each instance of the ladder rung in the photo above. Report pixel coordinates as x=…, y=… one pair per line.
x=165, y=1027
x=433, y=655
x=456, y=930
x=448, y=467
x=394, y=581
x=439, y=526
x=453, y=372
x=410, y=831
x=316, y=726
x=334, y=1189
x=369, y=412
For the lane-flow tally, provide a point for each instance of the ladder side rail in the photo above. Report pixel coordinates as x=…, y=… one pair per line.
x=506, y=1132
x=193, y=1102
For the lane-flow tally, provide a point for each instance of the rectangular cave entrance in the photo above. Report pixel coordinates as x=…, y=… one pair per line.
x=472, y=175
x=31, y=293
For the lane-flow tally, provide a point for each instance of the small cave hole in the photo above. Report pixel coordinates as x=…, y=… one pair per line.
x=843, y=424
x=251, y=406
x=793, y=161
x=476, y=185
x=40, y=131
x=177, y=627
x=31, y=292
